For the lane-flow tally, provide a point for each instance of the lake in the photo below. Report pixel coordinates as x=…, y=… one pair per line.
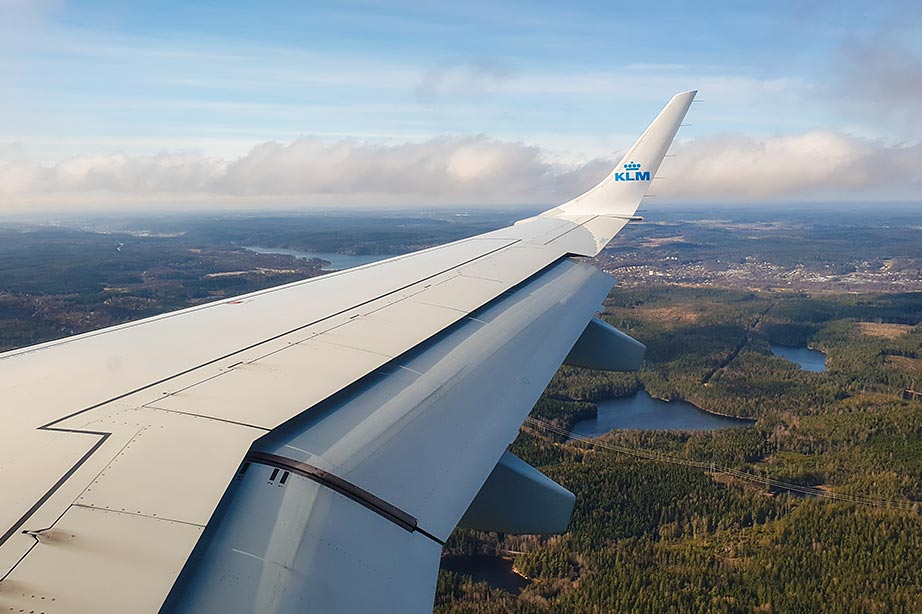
x=641, y=411
x=338, y=262
x=807, y=359
x=494, y=570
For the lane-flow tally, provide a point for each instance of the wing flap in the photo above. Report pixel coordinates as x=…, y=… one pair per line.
x=290, y=548
x=399, y=435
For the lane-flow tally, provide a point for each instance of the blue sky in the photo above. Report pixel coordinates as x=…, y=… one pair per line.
x=196, y=86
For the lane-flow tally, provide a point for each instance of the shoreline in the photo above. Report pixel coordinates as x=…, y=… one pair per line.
x=707, y=411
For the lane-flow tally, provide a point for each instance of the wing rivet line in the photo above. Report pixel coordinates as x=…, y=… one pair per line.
x=343, y=487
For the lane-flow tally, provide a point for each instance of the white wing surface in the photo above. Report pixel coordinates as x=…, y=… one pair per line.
x=308, y=447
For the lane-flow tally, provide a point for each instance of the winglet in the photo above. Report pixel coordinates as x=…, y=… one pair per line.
x=620, y=193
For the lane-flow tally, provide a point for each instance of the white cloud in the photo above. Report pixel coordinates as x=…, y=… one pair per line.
x=468, y=171
x=809, y=166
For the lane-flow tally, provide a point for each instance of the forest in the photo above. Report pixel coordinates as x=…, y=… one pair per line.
x=653, y=536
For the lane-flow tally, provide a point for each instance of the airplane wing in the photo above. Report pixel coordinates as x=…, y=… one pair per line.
x=309, y=447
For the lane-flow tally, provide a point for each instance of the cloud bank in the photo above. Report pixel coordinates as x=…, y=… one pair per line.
x=816, y=165
x=470, y=171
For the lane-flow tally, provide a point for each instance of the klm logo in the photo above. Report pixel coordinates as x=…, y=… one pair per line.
x=632, y=172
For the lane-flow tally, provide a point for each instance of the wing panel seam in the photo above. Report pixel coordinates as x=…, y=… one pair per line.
x=22, y=520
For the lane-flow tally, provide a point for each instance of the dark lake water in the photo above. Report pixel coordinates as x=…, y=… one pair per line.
x=494, y=570
x=641, y=411
x=807, y=359
x=338, y=262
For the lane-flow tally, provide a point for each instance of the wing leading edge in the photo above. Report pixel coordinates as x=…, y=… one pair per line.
x=304, y=448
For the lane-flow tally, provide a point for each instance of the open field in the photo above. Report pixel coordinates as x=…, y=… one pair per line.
x=884, y=330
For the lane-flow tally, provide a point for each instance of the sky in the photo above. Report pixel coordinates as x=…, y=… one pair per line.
x=237, y=104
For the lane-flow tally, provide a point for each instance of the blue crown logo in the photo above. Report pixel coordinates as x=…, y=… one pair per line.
x=632, y=172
